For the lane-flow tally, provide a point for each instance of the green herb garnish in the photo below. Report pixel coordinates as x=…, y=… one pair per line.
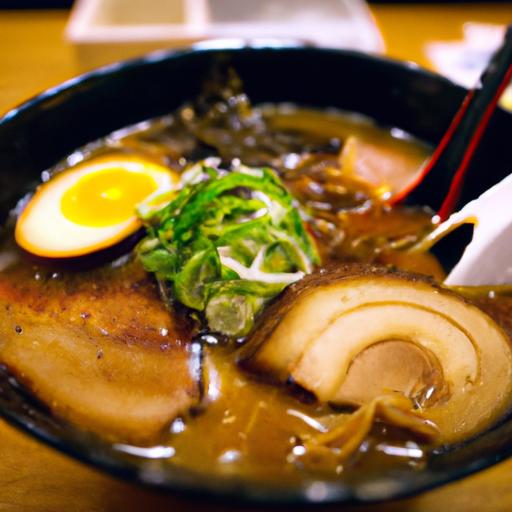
x=227, y=243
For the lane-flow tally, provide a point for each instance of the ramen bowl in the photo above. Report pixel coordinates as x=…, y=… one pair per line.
x=44, y=130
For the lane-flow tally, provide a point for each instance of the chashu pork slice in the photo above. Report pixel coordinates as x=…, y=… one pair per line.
x=355, y=333
x=99, y=348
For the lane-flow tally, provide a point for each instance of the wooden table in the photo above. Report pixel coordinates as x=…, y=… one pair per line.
x=33, y=56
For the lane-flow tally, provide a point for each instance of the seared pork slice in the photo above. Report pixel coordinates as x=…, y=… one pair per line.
x=355, y=333
x=99, y=348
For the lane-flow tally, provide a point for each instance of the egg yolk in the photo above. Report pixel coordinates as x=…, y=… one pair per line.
x=106, y=198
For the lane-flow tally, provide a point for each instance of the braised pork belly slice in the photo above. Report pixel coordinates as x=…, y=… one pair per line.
x=99, y=348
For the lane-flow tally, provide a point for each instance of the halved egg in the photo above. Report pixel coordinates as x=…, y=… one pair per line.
x=91, y=206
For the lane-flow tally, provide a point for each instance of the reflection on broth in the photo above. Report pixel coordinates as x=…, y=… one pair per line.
x=255, y=310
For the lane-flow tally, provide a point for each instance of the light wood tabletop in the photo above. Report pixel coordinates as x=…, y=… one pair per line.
x=34, y=56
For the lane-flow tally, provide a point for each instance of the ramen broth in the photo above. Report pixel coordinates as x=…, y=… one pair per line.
x=236, y=422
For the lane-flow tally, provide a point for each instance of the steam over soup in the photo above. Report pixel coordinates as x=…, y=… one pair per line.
x=233, y=282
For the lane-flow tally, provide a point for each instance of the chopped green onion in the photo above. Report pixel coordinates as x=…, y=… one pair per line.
x=227, y=243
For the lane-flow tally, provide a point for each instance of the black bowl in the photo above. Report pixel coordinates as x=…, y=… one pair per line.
x=40, y=132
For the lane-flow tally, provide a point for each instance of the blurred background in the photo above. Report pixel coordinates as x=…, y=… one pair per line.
x=43, y=42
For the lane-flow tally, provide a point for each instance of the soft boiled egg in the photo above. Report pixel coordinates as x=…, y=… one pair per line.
x=91, y=206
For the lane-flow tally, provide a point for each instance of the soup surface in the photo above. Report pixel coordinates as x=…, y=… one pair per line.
x=92, y=336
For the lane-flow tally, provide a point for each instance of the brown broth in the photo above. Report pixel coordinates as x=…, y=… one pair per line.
x=244, y=426
x=251, y=428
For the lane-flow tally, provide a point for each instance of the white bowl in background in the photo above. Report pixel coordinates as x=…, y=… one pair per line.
x=105, y=31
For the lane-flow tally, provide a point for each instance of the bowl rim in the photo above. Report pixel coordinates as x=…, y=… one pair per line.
x=229, y=45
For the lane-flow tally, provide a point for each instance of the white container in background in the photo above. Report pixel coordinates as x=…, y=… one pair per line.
x=108, y=30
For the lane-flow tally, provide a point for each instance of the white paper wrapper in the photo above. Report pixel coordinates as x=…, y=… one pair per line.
x=463, y=61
